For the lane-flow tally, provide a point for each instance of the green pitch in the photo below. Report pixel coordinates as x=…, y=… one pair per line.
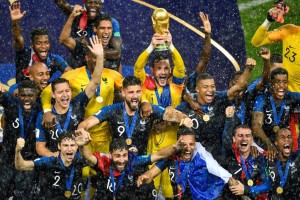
x=253, y=16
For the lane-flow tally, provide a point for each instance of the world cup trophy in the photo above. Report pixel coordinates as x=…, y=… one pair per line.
x=160, y=22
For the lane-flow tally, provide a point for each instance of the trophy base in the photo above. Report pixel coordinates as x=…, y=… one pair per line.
x=162, y=47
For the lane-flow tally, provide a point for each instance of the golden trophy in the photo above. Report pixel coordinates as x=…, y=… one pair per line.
x=160, y=22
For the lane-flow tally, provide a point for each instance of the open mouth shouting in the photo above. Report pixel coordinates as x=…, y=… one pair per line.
x=27, y=105
x=186, y=155
x=69, y=156
x=43, y=84
x=43, y=54
x=92, y=13
x=243, y=146
x=162, y=80
x=134, y=103
x=105, y=39
x=286, y=150
x=280, y=93
x=209, y=97
x=65, y=102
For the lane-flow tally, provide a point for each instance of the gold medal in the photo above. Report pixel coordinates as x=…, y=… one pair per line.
x=276, y=128
x=250, y=182
x=68, y=194
x=99, y=99
x=206, y=118
x=128, y=141
x=279, y=190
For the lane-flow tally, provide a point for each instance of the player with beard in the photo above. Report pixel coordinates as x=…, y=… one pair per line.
x=39, y=50
x=194, y=172
x=69, y=112
x=83, y=26
x=209, y=127
x=64, y=173
x=102, y=28
x=284, y=171
x=125, y=121
x=116, y=171
x=249, y=171
x=20, y=119
x=272, y=110
x=124, y=118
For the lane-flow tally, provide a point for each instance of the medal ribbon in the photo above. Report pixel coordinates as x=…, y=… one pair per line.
x=238, y=158
x=71, y=177
x=241, y=113
x=246, y=168
x=67, y=122
x=204, y=108
x=90, y=78
x=129, y=128
x=113, y=181
x=277, y=117
x=286, y=171
x=165, y=99
x=24, y=131
x=180, y=177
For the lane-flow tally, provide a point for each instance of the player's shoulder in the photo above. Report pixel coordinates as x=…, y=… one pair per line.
x=289, y=28
x=75, y=72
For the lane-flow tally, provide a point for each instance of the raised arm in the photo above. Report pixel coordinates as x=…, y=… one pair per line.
x=148, y=176
x=205, y=55
x=242, y=81
x=265, y=55
x=258, y=132
x=179, y=67
x=48, y=117
x=97, y=49
x=143, y=58
x=16, y=15
x=82, y=139
x=64, y=6
x=20, y=163
x=88, y=123
x=65, y=34
x=173, y=115
x=42, y=150
x=262, y=36
x=166, y=152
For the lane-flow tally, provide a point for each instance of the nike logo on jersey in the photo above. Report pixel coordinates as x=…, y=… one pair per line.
x=192, y=113
x=73, y=116
x=118, y=122
x=238, y=171
x=104, y=80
